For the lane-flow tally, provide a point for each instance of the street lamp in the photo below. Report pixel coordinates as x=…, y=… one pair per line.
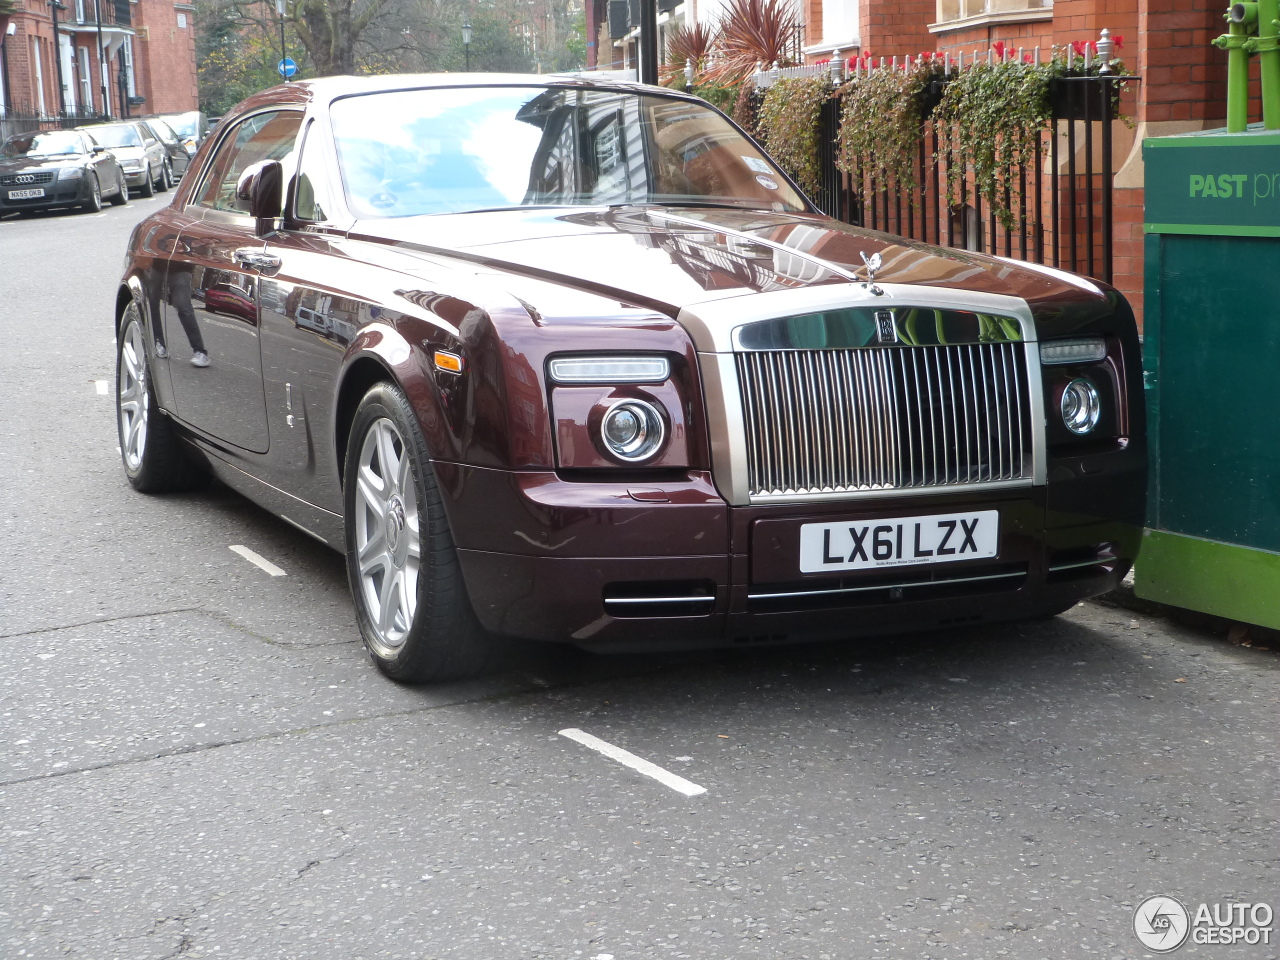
x=54, y=7
x=283, y=55
x=466, y=44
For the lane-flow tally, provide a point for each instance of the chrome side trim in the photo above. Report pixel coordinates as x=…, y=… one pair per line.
x=1097, y=561
x=884, y=586
x=641, y=600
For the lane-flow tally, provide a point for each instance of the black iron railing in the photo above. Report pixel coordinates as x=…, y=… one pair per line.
x=1060, y=214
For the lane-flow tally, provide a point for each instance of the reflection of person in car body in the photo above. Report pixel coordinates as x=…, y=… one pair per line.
x=180, y=298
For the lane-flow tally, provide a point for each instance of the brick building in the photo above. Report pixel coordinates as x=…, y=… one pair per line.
x=110, y=57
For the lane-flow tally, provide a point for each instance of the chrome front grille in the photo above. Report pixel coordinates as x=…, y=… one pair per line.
x=26, y=179
x=837, y=421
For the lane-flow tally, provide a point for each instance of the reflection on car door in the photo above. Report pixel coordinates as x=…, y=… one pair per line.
x=211, y=311
x=211, y=315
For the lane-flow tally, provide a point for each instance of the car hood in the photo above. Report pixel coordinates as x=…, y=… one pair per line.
x=32, y=164
x=669, y=258
x=127, y=153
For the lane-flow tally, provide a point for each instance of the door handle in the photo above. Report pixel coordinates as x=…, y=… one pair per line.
x=256, y=259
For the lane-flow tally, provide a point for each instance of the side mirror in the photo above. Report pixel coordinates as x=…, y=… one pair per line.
x=261, y=187
x=98, y=148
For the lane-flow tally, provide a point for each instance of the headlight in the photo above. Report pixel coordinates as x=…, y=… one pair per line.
x=632, y=430
x=1081, y=406
x=131, y=164
x=70, y=173
x=610, y=369
x=1085, y=350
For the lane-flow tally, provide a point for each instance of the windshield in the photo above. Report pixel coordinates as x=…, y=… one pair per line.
x=413, y=152
x=42, y=144
x=184, y=125
x=121, y=136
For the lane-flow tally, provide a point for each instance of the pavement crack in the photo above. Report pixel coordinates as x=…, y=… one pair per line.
x=316, y=863
x=90, y=623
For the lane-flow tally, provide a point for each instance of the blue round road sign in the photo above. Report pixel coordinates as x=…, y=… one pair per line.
x=287, y=68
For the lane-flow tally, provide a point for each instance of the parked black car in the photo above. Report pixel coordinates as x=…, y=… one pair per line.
x=58, y=168
x=141, y=154
x=191, y=127
x=174, y=148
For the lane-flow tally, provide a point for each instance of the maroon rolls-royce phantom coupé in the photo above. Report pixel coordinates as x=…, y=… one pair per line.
x=574, y=360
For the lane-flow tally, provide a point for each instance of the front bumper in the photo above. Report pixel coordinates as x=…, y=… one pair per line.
x=135, y=178
x=57, y=193
x=605, y=566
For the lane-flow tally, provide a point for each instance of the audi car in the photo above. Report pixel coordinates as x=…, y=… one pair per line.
x=575, y=360
x=58, y=168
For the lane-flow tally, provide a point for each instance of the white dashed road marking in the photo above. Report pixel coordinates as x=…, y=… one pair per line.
x=257, y=561
x=101, y=386
x=628, y=759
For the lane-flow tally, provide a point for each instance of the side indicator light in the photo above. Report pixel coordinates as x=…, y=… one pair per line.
x=448, y=362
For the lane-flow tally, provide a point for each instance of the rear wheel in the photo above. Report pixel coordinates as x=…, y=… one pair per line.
x=148, y=188
x=121, y=196
x=94, y=203
x=411, y=603
x=154, y=460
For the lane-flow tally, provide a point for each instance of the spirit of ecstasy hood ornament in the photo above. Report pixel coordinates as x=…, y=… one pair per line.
x=872, y=263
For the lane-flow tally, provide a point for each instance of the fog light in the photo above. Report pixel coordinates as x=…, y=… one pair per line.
x=1081, y=406
x=632, y=430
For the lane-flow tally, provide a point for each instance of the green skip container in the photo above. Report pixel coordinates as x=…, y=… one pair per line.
x=1212, y=367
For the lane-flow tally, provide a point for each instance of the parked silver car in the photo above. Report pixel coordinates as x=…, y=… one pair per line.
x=140, y=152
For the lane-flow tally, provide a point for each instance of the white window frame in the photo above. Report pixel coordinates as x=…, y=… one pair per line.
x=39, y=71
x=86, y=76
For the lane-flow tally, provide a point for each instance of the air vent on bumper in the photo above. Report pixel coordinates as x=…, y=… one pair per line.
x=660, y=598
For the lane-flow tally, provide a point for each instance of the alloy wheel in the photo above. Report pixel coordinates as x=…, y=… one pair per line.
x=134, y=403
x=388, y=535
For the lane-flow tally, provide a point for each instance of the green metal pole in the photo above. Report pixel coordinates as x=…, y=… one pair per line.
x=1240, y=16
x=1267, y=47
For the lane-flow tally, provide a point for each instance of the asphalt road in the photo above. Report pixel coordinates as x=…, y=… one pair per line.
x=198, y=760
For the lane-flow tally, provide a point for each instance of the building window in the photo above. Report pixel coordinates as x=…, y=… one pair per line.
x=39, y=72
x=80, y=11
x=86, y=78
x=130, y=81
x=951, y=10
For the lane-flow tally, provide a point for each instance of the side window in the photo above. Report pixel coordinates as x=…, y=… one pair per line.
x=264, y=136
x=312, y=198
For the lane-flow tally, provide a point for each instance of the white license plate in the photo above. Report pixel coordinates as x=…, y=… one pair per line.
x=899, y=541
x=26, y=194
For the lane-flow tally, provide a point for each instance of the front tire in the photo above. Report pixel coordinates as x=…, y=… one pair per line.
x=148, y=188
x=411, y=603
x=154, y=460
x=166, y=178
x=94, y=203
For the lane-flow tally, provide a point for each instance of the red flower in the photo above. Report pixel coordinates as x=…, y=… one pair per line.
x=998, y=47
x=1078, y=46
x=1118, y=41
x=1027, y=58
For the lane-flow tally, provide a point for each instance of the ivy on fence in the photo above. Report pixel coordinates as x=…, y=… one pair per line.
x=788, y=122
